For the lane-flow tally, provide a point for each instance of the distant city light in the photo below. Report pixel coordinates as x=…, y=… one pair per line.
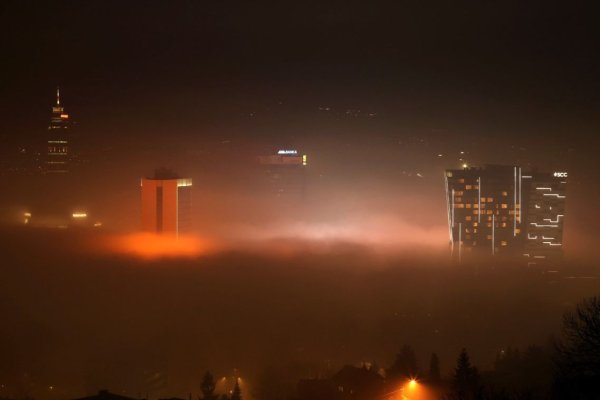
x=79, y=215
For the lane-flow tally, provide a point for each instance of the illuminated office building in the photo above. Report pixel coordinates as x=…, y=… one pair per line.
x=484, y=209
x=285, y=172
x=545, y=209
x=58, y=138
x=166, y=203
x=500, y=211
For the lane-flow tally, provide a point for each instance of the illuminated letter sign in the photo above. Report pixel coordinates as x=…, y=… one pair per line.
x=560, y=174
x=287, y=152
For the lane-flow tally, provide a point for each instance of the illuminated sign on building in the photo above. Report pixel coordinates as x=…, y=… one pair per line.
x=560, y=174
x=282, y=152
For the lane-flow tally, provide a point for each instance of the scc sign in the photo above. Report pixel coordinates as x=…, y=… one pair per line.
x=560, y=174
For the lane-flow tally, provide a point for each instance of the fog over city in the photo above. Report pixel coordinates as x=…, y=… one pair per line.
x=284, y=195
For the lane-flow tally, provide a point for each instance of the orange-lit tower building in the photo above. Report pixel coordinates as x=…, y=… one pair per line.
x=57, y=146
x=166, y=203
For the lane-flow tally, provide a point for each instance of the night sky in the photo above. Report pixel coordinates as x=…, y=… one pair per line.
x=469, y=68
x=369, y=90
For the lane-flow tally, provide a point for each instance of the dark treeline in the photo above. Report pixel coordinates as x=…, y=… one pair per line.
x=566, y=368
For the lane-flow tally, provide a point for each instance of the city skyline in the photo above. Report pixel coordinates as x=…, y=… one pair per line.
x=330, y=200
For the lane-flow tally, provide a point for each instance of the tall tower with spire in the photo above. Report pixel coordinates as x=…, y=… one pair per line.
x=57, y=149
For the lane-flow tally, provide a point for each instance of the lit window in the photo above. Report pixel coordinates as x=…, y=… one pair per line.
x=504, y=193
x=504, y=205
x=468, y=205
x=504, y=225
x=475, y=224
x=461, y=180
x=489, y=237
x=503, y=243
x=468, y=218
x=459, y=206
x=489, y=212
x=483, y=199
x=490, y=199
x=468, y=187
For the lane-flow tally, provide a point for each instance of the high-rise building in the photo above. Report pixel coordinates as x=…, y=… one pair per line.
x=544, y=205
x=166, y=203
x=500, y=211
x=58, y=152
x=285, y=172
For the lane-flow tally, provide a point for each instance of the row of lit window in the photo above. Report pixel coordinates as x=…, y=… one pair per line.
x=469, y=205
x=503, y=243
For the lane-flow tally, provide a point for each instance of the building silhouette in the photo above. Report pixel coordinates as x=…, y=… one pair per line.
x=58, y=151
x=500, y=211
x=284, y=173
x=166, y=203
x=106, y=395
x=544, y=205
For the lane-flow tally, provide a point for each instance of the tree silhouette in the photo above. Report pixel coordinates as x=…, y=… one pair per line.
x=237, y=392
x=405, y=365
x=578, y=360
x=434, y=369
x=208, y=387
x=466, y=379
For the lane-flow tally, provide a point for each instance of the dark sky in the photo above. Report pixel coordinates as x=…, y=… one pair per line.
x=465, y=63
x=154, y=83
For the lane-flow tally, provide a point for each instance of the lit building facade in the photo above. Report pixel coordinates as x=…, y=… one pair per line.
x=58, y=151
x=285, y=172
x=545, y=209
x=166, y=203
x=484, y=209
x=500, y=211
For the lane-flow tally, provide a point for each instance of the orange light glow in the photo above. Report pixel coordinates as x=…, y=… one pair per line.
x=151, y=246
